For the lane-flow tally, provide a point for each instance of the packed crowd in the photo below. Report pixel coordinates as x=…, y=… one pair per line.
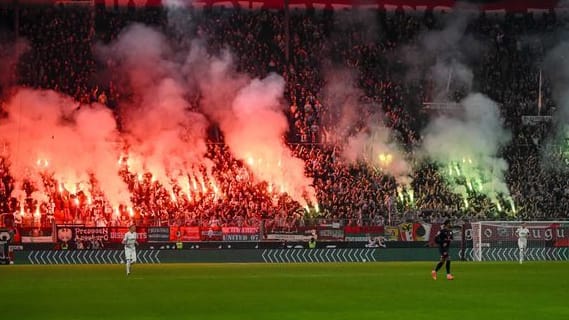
x=61, y=58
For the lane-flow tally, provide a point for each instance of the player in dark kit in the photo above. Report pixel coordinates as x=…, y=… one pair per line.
x=443, y=239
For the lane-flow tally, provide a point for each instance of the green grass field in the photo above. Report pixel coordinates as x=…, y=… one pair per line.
x=286, y=291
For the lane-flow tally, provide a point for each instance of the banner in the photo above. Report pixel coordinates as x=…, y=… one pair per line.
x=456, y=233
x=325, y=233
x=421, y=231
x=362, y=234
x=295, y=234
x=321, y=233
x=406, y=231
x=76, y=233
x=538, y=232
x=211, y=234
x=413, y=6
x=391, y=233
x=458, y=230
x=184, y=233
x=103, y=234
x=414, y=231
x=158, y=234
x=533, y=120
x=245, y=230
x=561, y=243
x=116, y=234
x=419, y=5
x=241, y=237
x=288, y=237
x=240, y=233
x=36, y=235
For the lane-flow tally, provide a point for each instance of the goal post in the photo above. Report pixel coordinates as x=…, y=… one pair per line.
x=497, y=241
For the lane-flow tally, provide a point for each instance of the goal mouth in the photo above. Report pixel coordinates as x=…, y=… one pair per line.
x=500, y=241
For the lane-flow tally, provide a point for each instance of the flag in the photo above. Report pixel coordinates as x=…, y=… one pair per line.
x=406, y=231
x=421, y=231
x=391, y=233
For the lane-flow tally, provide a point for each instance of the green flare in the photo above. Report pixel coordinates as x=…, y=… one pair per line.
x=474, y=179
x=513, y=205
x=466, y=202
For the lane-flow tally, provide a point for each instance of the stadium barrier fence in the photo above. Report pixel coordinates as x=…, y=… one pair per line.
x=403, y=242
x=323, y=255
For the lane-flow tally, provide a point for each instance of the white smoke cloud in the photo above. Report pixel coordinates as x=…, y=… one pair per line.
x=341, y=96
x=467, y=144
x=556, y=68
x=443, y=56
x=376, y=146
x=360, y=130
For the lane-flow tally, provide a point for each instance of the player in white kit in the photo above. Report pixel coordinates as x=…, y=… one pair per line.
x=522, y=233
x=130, y=244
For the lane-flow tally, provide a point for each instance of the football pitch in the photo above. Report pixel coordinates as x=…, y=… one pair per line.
x=534, y=290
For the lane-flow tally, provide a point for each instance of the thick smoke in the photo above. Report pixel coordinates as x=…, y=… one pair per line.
x=179, y=19
x=467, y=146
x=443, y=57
x=167, y=137
x=250, y=114
x=556, y=70
x=359, y=128
x=161, y=131
x=50, y=135
x=556, y=67
x=164, y=135
x=342, y=96
x=257, y=134
x=466, y=139
x=377, y=147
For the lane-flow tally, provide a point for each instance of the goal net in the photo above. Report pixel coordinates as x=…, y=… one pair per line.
x=498, y=241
